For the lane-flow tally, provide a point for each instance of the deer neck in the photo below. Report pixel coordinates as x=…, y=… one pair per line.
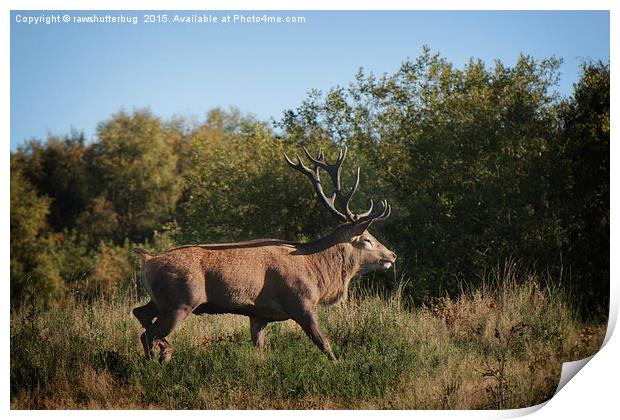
x=334, y=265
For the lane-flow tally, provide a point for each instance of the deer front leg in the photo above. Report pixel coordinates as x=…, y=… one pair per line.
x=257, y=331
x=307, y=320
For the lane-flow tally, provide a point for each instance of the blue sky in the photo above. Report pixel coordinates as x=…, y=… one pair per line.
x=73, y=75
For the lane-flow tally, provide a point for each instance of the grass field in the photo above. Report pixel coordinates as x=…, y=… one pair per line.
x=497, y=347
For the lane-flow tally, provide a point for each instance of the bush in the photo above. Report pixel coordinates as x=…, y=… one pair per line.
x=113, y=272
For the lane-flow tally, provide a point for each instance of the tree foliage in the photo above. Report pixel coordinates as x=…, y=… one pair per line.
x=32, y=268
x=60, y=168
x=136, y=170
x=584, y=150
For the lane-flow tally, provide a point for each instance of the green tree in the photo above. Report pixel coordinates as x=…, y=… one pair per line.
x=135, y=170
x=33, y=272
x=584, y=150
x=61, y=169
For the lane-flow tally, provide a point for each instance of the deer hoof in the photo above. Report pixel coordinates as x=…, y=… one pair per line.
x=165, y=355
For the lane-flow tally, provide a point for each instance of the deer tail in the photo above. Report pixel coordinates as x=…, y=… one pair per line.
x=143, y=254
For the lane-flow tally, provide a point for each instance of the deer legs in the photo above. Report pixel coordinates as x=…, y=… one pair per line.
x=145, y=315
x=257, y=331
x=307, y=320
x=156, y=336
x=156, y=332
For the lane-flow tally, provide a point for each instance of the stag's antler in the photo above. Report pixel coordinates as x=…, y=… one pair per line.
x=343, y=199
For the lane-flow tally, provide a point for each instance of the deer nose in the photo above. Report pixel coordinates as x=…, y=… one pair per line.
x=393, y=255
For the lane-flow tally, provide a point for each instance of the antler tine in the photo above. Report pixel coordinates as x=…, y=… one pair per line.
x=343, y=154
x=334, y=172
x=345, y=199
x=382, y=214
x=315, y=178
x=386, y=213
x=303, y=168
x=332, y=169
x=290, y=162
x=367, y=212
x=319, y=160
x=342, y=198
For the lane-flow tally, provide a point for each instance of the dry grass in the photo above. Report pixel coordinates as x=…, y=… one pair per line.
x=498, y=347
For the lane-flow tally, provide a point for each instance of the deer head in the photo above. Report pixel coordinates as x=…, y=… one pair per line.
x=370, y=253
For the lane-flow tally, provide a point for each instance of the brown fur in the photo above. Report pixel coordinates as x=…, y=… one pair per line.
x=268, y=280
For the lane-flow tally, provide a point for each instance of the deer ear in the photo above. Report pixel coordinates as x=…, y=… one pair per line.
x=357, y=229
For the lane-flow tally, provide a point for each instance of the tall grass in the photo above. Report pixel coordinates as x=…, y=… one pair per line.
x=500, y=346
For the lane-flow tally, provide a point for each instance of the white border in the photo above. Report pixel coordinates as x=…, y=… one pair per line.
x=593, y=394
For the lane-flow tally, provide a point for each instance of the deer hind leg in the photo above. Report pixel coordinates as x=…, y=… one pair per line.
x=307, y=320
x=257, y=331
x=163, y=326
x=145, y=315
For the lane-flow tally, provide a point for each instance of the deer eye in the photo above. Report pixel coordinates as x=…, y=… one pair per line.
x=367, y=242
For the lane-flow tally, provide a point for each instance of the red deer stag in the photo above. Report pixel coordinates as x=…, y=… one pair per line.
x=267, y=279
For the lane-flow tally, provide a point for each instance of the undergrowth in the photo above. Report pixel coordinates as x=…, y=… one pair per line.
x=500, y=346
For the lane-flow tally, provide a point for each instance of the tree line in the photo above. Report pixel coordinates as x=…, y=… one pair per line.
x=481, y=164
